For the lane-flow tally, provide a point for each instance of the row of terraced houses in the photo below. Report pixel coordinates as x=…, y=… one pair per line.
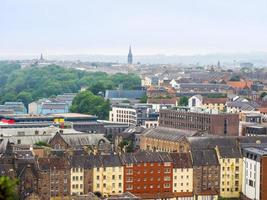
x=228, y=171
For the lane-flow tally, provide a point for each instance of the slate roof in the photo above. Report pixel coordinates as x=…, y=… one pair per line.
x=181, y=160
x=110, y=160
x=170, y=134
x=249, y=106
x=204, y=158
x=53, y=105
x=129, y=94
x=76, y=140
x=232, y=152
x=145, y=157
x=211, y=142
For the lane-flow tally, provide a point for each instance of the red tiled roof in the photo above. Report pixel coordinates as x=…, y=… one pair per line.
x=162, y=101
x=214, y=100
x=240, y=84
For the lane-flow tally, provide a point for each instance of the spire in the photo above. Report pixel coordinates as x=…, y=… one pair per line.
x=130, y=56
x=41, y=57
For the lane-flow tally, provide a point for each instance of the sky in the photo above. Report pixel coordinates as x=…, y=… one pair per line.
x=171, y=27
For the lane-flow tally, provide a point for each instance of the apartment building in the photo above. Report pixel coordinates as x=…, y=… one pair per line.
x=123, y=114
x=148, y=174
x=206, y=174
x=230, y=160
x=77, y=176
x=108, y=173
x=254, y=173
x=182, y=185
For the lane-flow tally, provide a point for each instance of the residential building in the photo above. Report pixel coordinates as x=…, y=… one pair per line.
x=108, y=175
x=136, y=114
x=254, y=172
x=239, y=106
x=207, y=103
x=206, y=174
x=182, y=176
x=148, y=174
x=123, y=114
x=77, y=175
x=202, y=87
x=15, y=107
x=231, y=163
x=217, y=124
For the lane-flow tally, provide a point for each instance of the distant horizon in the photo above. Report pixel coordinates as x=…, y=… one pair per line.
x=257, y=58
x=170, y=27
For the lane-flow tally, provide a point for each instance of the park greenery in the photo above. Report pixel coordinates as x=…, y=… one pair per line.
x=8, y=188
x=32, y=83
x=87, y=103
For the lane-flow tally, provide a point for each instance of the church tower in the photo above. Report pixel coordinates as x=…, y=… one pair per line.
x=130, y=56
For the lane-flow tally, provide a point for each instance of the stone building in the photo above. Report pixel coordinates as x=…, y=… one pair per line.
x=165, y=139
x=206, y=174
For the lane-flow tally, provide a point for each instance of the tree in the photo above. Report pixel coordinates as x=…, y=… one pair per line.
x=143, y=99
x=263, y=94
x=87, y=103
x=7, y=188
x=235, y=78
x=183, y=101
x=24, y=97
x=216, y=95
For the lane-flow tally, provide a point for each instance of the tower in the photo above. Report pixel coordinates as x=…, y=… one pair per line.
x=41, y=57
x=130, y=56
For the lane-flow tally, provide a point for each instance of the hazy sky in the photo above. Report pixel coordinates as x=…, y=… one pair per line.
x=150, y=26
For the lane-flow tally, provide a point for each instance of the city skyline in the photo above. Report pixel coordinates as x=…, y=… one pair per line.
x=151, y=27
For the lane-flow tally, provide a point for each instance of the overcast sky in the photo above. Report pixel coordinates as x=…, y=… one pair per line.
x=151, y=26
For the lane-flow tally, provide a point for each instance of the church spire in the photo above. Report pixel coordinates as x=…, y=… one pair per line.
x=130, y=56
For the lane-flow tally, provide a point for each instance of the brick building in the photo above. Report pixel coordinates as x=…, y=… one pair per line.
x=216, y=124
x=148, y=174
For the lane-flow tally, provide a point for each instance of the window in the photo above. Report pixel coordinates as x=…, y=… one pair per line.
x=129, y=187
x=167, y=185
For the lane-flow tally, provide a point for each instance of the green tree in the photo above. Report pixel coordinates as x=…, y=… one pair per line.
x=7, y=188
x=183, y=101
x=88, y=103
x=235, y=78
x=143, y=99
x=24, y=97
x=263, y=94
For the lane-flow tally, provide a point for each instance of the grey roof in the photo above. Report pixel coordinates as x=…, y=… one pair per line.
x=129, y=94
x=204, y=85
x=164, y=133
x=181, y=160
x=145, y=157
x=229, y=152
x=204, y=158
x=83, y=139
x=110, y=160
x=211, y=142
x=249, y=106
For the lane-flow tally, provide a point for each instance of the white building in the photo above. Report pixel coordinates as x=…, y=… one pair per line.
x=254, y=164
x=195, y=101
x=123, y=114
